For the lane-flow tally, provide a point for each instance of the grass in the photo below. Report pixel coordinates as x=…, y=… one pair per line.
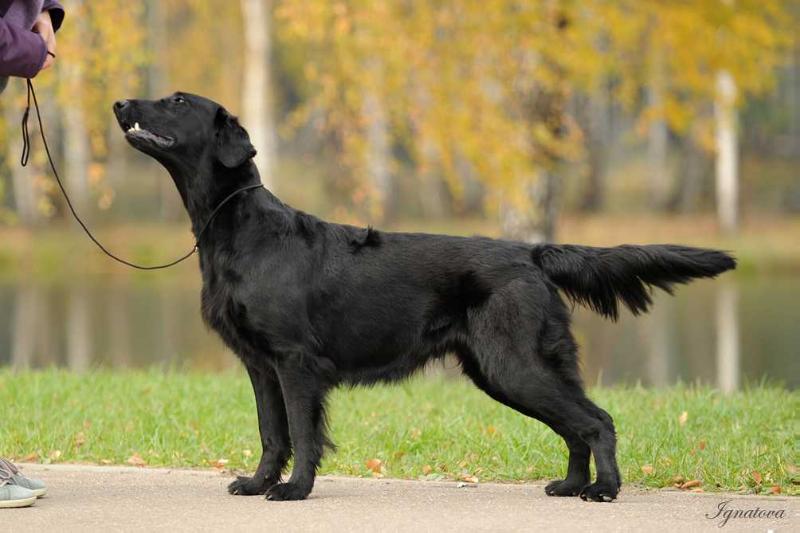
x=429, y=428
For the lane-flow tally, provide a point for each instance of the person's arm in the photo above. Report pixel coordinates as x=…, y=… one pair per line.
x=22, y=52
x=56, y=12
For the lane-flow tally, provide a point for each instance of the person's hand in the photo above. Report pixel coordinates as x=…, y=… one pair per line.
x=44, y=27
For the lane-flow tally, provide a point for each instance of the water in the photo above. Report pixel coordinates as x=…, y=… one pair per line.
x=726, y=333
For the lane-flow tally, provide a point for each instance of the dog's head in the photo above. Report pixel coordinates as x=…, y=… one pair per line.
x=185, y=131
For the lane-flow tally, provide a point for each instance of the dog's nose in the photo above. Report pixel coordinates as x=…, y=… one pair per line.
x=119, y=105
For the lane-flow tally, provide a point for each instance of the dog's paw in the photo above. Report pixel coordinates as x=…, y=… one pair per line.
x=564, y=487
x=287, y=492
x=600, y=492
x=248, y=486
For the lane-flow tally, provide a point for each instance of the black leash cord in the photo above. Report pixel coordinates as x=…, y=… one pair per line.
x=26, y=152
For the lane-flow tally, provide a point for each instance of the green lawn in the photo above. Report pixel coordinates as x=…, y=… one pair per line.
x=429, y=428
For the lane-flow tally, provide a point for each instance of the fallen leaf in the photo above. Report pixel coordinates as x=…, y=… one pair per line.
x=647, y=469
x=375, y=465
x=219, y=463
x=678, y=480
x=427, y=469
x=701, y=445
x=30, y=458
x=775, y=489
x=491, y=430
x=106, y=461
x=469, y=478
x=55, y=454
x=691, y=484
x=247, y=453
x=697, y=490
x=136, y=460
x=683, y=418
x=757, y=477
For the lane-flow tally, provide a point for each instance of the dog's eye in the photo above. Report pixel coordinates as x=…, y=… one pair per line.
x=177, y=99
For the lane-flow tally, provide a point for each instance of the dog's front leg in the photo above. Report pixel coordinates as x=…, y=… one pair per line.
x=274, y=430
x=304, y=391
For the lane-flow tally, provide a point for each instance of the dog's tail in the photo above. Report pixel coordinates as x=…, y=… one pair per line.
x=599, y=277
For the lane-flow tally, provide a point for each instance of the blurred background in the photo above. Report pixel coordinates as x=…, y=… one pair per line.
x=598, y=122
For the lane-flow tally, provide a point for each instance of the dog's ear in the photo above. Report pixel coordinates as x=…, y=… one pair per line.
x=233, y=146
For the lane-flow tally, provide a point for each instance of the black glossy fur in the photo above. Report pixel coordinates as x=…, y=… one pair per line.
x=308, y=305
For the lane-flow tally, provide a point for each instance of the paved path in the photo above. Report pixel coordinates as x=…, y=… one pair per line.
x=92, y=498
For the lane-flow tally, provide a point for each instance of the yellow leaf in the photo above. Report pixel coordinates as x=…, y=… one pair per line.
x=30, y=458
x=683, y=418
x=136, y=460
x=375, y=465
x=427, y=469
x=219, y=463
x=647, y=469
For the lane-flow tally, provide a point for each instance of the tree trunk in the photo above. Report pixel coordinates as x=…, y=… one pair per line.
x=23, y=187
x=598, y=131
x=690, y=176
x=79, y=332
x=657, y=135
x=728, y=359
x=119, y=326
x=378, y=156
x=727, y=162
x=76, y=136
x=257, y=97
x=157, y=87
x=24, y=325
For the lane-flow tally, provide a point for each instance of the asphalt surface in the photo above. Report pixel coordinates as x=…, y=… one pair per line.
x=93, y=498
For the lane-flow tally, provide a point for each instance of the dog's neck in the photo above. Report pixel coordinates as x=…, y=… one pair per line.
x=200, y=203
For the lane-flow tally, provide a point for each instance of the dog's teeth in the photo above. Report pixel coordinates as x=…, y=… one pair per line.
x=136, y=126
x=130, y=130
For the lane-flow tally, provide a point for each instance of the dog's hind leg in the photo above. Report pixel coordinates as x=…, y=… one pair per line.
x=304, y=390
x=522, y=354
x=274, y=430
x=577, y=468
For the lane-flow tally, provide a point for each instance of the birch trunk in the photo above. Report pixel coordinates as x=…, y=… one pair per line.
x=76, y=136
x=728, y=359
x=257, y=113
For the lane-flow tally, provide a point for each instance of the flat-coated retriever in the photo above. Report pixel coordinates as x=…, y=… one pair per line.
x=308, y=305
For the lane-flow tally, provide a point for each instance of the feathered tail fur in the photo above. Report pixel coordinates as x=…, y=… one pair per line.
x=600, y=277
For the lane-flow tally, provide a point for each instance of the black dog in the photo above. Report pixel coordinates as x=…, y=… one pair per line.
x=308, y=305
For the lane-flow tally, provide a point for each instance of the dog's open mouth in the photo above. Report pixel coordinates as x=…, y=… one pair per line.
x=137, y=132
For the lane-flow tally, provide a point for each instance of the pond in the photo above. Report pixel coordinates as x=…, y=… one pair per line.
x=727, y=333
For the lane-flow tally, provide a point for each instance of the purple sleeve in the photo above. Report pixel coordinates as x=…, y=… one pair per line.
x=56, y=12
x=22, y=52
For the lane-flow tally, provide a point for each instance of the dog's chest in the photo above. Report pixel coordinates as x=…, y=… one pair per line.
x=228, y=316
